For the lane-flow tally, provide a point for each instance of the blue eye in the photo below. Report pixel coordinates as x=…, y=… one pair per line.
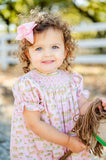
x=38, y=49
x=55, y=47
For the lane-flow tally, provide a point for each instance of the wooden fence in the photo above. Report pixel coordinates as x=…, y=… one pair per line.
x=91, y=43
x=6, y=47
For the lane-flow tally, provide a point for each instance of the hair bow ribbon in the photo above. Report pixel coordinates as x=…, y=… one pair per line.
x=26, y=31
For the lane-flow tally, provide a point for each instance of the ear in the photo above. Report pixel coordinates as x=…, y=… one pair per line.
x=27, y=54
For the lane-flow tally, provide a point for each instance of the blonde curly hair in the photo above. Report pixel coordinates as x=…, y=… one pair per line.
x=44, y=21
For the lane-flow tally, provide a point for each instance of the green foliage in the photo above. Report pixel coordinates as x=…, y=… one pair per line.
x=94, y=11
x=71, y=11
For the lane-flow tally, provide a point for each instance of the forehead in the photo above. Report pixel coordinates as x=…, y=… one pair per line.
x=49, y=35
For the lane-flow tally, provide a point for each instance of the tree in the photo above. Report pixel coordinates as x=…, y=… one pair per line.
x=9, y=9
x=74, y=12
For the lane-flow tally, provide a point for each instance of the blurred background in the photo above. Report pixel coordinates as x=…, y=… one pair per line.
x=88, y=18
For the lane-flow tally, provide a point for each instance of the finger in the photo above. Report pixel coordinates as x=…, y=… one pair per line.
x=103, y=101
x=99, y=107
x=104, y=104
x=104, y=108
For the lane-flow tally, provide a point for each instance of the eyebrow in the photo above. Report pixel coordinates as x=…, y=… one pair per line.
x=57, y=43
x=40, y=45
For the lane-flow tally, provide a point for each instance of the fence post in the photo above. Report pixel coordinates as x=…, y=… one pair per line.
x=4, y=63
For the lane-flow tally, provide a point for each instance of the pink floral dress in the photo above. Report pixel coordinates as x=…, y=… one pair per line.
x=56, y=97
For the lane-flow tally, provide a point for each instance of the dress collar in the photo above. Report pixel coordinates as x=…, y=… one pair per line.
x=46, y=75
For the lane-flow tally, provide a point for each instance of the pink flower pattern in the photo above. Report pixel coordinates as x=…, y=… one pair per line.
x=56, y=97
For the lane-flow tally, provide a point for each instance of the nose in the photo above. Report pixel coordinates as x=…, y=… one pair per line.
x=47, y=53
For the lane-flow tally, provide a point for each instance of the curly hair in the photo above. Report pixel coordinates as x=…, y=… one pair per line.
x=44, y=21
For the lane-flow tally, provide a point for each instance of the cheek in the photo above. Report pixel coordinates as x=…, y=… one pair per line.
x=34, y=60
x=60, y=59
x=35, y=57
x=61, y=56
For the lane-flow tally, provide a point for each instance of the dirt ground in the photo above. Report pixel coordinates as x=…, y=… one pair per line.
x=94, y=81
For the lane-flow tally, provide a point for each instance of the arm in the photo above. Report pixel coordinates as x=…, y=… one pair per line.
x=83, y=104
x=50, y=133
x=43, y=129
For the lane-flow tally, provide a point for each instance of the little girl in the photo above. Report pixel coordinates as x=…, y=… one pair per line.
x=49, y=96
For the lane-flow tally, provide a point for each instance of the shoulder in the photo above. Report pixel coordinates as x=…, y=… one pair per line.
x=25, y=82
x=76, y=79
x=73, y=75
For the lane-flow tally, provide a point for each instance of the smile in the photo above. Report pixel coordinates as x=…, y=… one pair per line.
x=48, y=61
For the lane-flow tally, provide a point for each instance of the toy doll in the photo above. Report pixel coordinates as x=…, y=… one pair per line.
x=91, y=128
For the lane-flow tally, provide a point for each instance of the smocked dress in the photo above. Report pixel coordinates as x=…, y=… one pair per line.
x=56, y=97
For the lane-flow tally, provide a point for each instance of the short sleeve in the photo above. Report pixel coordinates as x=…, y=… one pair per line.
x=78, y=83
x=27, y=93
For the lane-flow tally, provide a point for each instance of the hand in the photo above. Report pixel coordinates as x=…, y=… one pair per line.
x=75, y=144
x=103, y=103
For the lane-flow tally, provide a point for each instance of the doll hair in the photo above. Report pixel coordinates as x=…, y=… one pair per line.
x=88, y=124
x=44, y=21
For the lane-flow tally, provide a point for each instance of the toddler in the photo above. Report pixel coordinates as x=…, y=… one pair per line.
x=48, y=96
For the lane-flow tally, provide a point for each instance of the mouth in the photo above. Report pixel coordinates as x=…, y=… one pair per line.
x=48, y=61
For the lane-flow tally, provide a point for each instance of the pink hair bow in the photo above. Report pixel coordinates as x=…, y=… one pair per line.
x=26, y=31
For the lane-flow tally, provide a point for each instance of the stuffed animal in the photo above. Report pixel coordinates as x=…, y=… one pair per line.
x=91, y=129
